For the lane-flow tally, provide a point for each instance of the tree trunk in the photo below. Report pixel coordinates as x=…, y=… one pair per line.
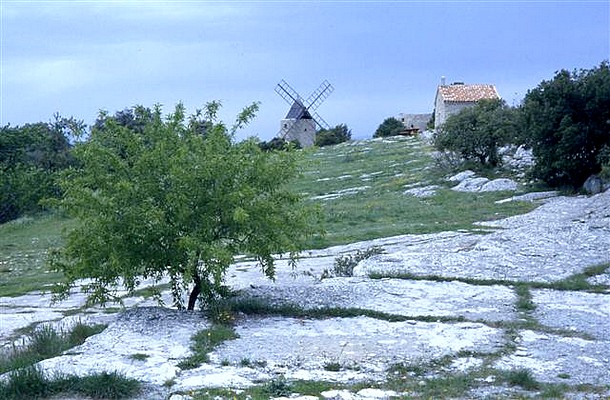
x=195, y=292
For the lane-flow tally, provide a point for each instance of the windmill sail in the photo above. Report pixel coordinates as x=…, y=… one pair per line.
x=302, y=119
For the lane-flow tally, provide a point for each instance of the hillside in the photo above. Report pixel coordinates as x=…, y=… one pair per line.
x=359, y=185
x=405, y=297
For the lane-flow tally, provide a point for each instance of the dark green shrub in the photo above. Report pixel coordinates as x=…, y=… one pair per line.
x=338, y=134
x=567, y=121
x=30, y=158
x=389, y=127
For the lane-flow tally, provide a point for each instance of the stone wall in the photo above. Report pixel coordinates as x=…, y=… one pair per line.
x=417, y=120
x=301, y=130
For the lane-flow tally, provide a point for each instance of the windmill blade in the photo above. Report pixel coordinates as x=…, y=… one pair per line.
x=287, y=93
x=319, y=95
x=319, y=121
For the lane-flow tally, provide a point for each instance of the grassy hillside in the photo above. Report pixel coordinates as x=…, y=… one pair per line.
x=24, y=245
x=359, y=185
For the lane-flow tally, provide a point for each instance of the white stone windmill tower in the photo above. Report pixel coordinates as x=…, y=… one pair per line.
x=302, y=120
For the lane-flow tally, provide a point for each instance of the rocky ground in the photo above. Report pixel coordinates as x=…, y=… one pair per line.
x=451, y=296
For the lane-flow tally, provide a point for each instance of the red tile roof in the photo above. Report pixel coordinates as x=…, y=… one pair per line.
x=467, y=93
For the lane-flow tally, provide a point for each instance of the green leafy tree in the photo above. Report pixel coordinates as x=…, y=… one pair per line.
x=476, y=133
x=165, y=201
x=567, y=121
x=389, y=127
x=327, y=137
x=30, y=158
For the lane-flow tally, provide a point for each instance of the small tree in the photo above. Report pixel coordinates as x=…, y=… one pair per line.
x=165, y=200
x=567, y=120
x=338, y=134
x=389, y=127
x=476, y=133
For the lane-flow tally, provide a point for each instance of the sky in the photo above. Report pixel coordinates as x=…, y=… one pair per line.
x=383, y=58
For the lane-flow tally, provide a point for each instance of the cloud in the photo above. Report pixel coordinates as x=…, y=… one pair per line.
x=47, y=77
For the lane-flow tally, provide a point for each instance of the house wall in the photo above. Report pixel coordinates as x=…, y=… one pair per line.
x=302, y=130
x=417, y=120
x=446, y=109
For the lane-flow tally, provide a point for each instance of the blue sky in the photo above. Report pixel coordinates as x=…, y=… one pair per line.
x=382, y=57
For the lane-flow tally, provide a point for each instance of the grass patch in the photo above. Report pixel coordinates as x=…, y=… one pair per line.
x=32, y=383
x=251, y=306
x=578, y=282
x=24, y=245
x=45, y=342
x=139, y=357
x=276, y=387
x=521, y=377
x=333, y=366
x=204, y=342
x=524, y=299
x=438, y=278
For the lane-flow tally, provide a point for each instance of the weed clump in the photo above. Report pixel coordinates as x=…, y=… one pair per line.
x=522, y=377
x=204, y=342
x=344, y=265
x=45, y=342
x=278, y=387
x=32, y=383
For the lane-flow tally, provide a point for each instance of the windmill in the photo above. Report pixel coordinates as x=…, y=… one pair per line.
x=302, y=119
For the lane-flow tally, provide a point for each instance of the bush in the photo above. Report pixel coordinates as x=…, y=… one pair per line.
x=567, y=120
x=389, y=127
x=338, y=134
x=279, y=144
x=344, y=265
x=30, y=158
x=476, y=133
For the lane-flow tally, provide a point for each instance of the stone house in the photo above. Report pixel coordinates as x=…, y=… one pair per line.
x=451, y=99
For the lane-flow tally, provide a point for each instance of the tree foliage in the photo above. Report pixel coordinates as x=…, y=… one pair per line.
x=279, y=144
x=389, y=127
x=476, y=133
x=30, y=157
x=327, y=137
x=567, y=121
x=164, y=200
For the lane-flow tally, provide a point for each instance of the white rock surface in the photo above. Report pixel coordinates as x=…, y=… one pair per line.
x=499, y=185
x=470, y=185
x=558, y=239
x=424, y=191
x=459, y=177
x=433, y=318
